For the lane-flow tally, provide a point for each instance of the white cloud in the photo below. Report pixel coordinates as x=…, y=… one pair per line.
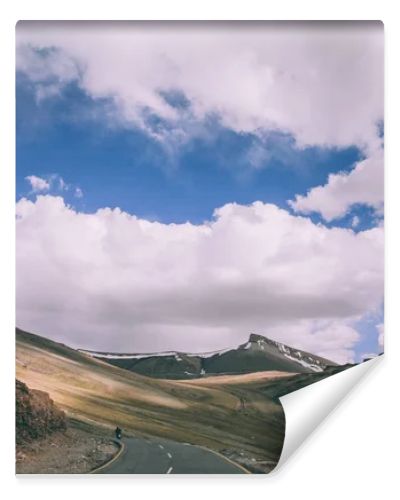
x=381, y=332
x=47, y=91
x=37, y=183
x=133, y=284
x=52, y=183
x=368, y=355
x=110, y=280
x=322, y=83
x=62, y=185
x=355, y=221
x=364, y=185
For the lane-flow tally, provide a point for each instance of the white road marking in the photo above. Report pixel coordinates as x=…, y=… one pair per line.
x=169, y=470
x=161, y=446
x=169, y=455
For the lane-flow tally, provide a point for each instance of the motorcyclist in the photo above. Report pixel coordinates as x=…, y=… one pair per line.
x=118, y=432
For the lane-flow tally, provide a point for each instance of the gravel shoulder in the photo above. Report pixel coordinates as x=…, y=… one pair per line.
x=78, y=450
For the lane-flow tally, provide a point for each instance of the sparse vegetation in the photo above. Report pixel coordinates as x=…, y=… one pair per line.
x=239, y=416
x=94, y=391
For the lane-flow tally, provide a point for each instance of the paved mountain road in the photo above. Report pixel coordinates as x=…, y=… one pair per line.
x=160, y=456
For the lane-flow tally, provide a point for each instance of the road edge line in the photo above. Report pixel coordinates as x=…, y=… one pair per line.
x=246, y=471
x=117, y=455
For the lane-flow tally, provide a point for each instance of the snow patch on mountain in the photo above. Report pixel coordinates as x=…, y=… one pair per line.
x=303, y=362
x=256, y=348
x=176, y=355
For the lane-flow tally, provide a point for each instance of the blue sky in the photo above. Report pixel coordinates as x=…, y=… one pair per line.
x=127, y=169
x=171, y=151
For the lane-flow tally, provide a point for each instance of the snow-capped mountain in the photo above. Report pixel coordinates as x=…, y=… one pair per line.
x=258, y=354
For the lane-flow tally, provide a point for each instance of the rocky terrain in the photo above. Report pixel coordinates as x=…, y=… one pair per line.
x=93, y=391
x=78, y=450
x=46, y=442
x=36, y=414
x=235, y=412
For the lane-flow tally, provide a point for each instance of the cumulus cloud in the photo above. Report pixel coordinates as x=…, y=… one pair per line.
x=364, y=185
x=37, y=183
x=320, y=82
x=110, y=280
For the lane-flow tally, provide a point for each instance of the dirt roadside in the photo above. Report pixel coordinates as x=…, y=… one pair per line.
x=78, y=450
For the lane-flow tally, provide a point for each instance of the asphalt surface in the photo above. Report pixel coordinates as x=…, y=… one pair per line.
x=150, y=456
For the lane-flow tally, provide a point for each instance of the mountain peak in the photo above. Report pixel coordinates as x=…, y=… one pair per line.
x=255, y=338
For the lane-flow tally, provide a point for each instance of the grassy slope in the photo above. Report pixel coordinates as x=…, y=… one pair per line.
x=255, y=389
x=220, y=416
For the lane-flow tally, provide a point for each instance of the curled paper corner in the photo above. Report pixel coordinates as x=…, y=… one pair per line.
x=306, y=408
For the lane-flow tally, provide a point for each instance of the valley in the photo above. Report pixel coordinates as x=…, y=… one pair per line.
x=236, y=415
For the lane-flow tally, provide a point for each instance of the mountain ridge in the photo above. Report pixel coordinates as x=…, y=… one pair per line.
x=259, y=353
x=241, y=424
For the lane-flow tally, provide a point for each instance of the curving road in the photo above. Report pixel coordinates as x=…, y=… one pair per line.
x=150, y=456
